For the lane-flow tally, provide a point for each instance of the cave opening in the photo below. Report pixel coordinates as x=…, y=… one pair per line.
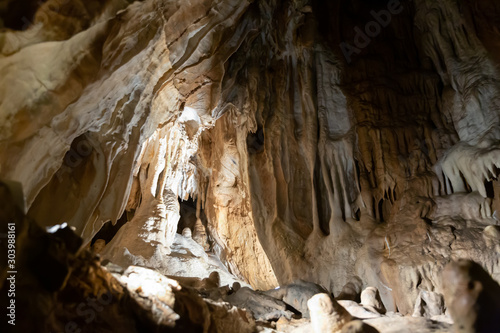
x=187, y=211
x=192, y=217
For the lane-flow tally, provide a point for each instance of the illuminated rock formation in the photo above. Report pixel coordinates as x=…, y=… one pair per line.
x=374, y=167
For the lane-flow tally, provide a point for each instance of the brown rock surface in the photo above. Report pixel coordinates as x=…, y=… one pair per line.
x=472, y=297
x=370, y=168
x=326, y=314
x=58, y=290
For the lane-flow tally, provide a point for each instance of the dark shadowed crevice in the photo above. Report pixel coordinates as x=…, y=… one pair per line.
x=18, y=15
x=255, y=141
x=188, y=214
x=490, y=192
x=108, y=230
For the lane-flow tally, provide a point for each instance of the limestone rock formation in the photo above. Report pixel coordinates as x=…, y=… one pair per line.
x=350, y=144
x=200, y=235
x=352, y=290
x=370, y=297
x=429, y=304
x=359, y=310
x=357, y=326
x=472, y=297
x=326, y=314
x=262, y=306
x=61, y=290
x=297, y=294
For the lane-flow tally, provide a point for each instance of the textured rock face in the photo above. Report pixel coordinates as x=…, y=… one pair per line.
x=377, y=167
x=60, y=290
x=471, y=295
x=326, y=314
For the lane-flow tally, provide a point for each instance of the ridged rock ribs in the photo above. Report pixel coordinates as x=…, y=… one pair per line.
x=304, y=165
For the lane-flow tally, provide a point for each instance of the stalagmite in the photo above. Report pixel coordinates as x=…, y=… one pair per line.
x=371, y=297
x=327, y=316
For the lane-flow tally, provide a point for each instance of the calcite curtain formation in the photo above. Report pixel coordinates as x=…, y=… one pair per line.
x=305, y=163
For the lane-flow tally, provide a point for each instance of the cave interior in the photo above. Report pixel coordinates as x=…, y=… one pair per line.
x=250, y=166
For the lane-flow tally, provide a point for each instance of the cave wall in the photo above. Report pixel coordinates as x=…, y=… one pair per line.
x=307, y=163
